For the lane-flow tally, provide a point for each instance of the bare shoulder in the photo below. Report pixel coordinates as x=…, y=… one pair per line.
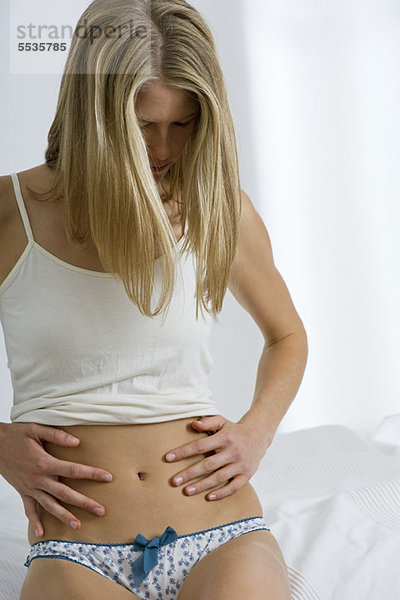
x=7, y=210
x=254, y=243
x=34, y=176
x=255, y=281
x=12, y=235
x=7, y=202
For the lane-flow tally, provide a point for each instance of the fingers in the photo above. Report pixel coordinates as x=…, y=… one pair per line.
x=221, y=472
x=32, y=514
x=48, y=489
x=228, y=489
x=200, y=446
x=51, y=505
x=34, y=473
x=73, y=470
x=59, y=491
x=228, y=475
x=54, y=435
x=201, y=468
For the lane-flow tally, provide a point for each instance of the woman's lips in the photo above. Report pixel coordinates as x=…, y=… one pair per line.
x=158, y=168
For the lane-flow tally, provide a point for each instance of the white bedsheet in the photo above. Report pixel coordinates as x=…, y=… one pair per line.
x=331, y=499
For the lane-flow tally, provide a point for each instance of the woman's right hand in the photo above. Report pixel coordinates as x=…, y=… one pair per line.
x=34, y=473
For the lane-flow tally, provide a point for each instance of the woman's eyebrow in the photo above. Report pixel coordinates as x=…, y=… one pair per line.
x=183, y=118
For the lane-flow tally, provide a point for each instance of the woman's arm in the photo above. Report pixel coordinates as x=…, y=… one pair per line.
x=258, y=286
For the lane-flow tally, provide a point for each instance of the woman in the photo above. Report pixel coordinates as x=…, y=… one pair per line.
x=139, y=200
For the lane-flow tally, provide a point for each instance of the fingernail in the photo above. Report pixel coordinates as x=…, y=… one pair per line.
x=178, y=480
x=106, y=477
x=73, y=524
x=98, y=511
x=212, y=497
x=38, y=532
x=170, y=456
x=72, y=440
x=190, y=490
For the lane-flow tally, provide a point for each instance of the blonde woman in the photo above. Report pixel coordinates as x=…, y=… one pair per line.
x=116, y=255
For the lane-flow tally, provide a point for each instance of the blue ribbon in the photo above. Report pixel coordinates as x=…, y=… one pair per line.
x=149, y=558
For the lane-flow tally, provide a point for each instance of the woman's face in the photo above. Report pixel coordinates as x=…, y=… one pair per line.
x=167, y=117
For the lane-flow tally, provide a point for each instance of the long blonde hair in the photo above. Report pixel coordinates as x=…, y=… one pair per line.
x=98, y=153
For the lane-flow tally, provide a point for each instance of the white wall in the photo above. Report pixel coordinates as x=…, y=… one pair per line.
x=318, y=126
x=315, y=92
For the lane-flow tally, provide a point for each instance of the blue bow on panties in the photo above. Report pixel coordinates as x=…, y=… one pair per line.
x=148, y=560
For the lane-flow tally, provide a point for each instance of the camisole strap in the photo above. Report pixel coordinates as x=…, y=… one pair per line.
x=21, y=206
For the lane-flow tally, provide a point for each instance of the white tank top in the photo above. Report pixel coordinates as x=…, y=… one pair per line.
x=80, y=352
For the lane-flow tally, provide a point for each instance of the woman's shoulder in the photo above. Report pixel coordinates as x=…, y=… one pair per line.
x=37, y=177
x=7, y=200
x=12, y=234
x=8, y=208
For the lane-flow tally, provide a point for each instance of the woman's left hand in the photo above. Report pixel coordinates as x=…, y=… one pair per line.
x=238, y=449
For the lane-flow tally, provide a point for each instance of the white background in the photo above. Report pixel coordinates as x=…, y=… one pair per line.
x=315, y=94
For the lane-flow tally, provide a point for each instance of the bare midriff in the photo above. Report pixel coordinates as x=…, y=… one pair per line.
x=141, y=497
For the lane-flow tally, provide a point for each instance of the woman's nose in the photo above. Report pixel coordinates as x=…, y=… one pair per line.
x=159, y=153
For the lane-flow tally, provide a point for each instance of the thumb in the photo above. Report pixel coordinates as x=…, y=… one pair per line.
x=213, y=424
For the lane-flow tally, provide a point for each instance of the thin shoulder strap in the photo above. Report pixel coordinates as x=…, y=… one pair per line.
x=21, y=206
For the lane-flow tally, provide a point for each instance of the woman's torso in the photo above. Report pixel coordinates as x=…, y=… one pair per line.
x=145, y=503
x=141, y=497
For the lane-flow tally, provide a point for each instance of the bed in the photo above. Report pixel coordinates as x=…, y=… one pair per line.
x=331, y=498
